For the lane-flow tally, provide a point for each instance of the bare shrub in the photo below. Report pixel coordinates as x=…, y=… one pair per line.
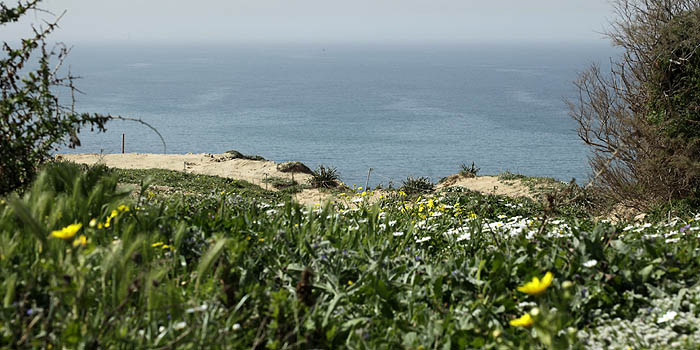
x=641, y=118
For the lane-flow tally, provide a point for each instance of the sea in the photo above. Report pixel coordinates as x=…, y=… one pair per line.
x=400, y=110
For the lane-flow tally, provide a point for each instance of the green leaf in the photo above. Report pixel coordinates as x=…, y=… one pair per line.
x=209, y=259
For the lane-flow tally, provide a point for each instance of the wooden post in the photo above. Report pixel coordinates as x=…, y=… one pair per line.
x=367, y=182
x=122, y=143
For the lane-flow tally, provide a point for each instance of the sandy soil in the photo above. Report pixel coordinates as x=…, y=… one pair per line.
x=255, y=171
x=488, y=184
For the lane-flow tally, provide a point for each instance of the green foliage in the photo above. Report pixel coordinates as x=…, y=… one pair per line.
x=169, y=182
x=33, y=122
x=223, y=271
x=417, y=185
x=675, y=91
x=324, y=177
x=469, y=171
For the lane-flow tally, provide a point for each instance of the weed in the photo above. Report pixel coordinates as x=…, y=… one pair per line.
x=418, y=185
x=469, y=171
x=324, y=177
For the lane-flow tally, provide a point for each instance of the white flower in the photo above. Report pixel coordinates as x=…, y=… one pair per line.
x=464, y=237
x=667, y=317
x=203, y=307
x=398, y=233
x=392, y=222
x=236, y=326
x=590, y=263
x=180, y=325
x=424, y=239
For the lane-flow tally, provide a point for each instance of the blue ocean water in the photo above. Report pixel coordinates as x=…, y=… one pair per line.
x=403, y=111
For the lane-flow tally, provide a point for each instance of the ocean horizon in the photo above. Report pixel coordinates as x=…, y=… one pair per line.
x=400, y=110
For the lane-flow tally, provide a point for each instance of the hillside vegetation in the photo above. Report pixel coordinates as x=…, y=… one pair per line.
x=84, y=264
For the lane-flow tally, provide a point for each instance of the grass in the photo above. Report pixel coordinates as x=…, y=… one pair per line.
x=168, y=182
x=248, y=269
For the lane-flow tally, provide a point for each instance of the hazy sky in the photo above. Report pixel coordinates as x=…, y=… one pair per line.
x=331, y=21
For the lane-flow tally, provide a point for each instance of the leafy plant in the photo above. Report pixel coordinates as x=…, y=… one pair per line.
x=324, y=177
x=469, y=171
x=418, y=185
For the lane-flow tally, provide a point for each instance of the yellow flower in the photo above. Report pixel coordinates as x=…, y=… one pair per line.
x=80, y=241
x=165, y=246
x=157, y=244
x=93, y=222
x=349, y=283
x=261, y=240
x=113, y=214
x=537, y=286
x=123, y=208
x=522, y=321
x=99, y=226
x=67, y=232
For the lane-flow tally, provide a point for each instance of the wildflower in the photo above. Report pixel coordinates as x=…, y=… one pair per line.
x=165, y=246
x=398, y=233
x=80, y=241
x=236, y=326
x=522, y=321
x=424, y=239
x=67, y=232
x=350, y=283
x=180, y=325
x=157, y=244
x=123, y=208
x=590, y=263
x=261, y=240
x=93, y=222
x=537, y=286
x=669, y=316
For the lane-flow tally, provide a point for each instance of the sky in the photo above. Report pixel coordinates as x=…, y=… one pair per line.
x=323, y=21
